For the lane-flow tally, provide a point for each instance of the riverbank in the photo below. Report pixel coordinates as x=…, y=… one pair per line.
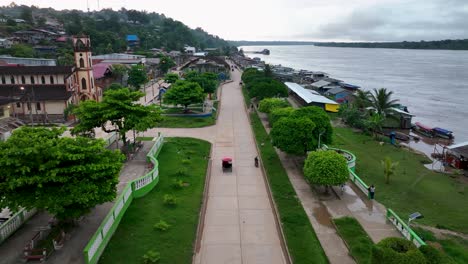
x=435, y=95
x=413, y=188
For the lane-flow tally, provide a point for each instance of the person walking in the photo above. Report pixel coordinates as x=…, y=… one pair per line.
x=256, y=162
x=371, y=191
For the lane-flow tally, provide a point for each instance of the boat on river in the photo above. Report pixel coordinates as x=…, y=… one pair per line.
x=443, y=133
x=423, y=130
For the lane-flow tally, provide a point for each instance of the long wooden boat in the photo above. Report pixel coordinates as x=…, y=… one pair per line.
x=443, y=133
x=423, y=130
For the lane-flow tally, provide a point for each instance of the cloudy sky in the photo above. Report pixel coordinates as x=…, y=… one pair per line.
x=316, y=20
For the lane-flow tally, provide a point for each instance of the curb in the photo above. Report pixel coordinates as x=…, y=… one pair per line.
x=270, y=195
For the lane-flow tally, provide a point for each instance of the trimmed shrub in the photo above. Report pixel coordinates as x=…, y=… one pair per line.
x=269, y=104
x=395, y=250
x=326, y=168
x=170, y=200
x=151, y=256
x=182, y=172
x=177, y=184
x=162, y=225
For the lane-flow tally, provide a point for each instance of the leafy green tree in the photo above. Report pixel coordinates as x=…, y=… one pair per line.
x=120, y=108
x=119, y=71
x=268, y=104
x=266, y=88
x=375, y=123
x=278, y=113
x=382, y=102
x=362, y=99
x=137, y=76
x=396, y=250
x=65, y=176
x=267, y=71
x=326, y=168
x=22, y=50
x=165, y=63
x=389, y=168
x=321, y=120
x=184, y=93
x=171, y=77
x=207, y=80
x=26, y=14
x=293, y=135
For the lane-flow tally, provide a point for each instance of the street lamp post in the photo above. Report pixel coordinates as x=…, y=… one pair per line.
x=320, y=135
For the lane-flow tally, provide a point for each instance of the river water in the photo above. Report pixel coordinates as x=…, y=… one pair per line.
x=432, y=83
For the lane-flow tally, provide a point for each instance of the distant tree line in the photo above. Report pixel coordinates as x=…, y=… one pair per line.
x=458, y=44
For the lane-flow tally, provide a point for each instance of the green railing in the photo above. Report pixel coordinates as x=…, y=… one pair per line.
x=351, y=160
x=404, y=229
x=401, y=226
x=135, y=189
x=12, y=224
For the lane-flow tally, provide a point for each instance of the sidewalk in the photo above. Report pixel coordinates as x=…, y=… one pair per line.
x=72, y=252
x=370, y=214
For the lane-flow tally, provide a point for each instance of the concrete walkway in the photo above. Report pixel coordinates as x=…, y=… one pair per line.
x=72, y=252
x=370, y=214
x=239, y=225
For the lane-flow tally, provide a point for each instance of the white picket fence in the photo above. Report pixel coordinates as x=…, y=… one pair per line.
x=10, y=226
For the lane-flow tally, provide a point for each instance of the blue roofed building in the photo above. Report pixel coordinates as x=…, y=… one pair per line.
x=132, y=41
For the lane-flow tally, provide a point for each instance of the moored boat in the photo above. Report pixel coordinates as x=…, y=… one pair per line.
x=424, y=130
x=443, y=133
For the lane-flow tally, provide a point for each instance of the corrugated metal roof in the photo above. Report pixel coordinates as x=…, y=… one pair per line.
x=308, y=95
x=320, y=83
x=336, y=90
x=132, y=38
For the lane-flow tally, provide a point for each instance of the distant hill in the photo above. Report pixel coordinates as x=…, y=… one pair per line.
x=108, y=29
x=458, y=44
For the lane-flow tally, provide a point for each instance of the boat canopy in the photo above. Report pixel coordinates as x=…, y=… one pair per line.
x=442, y=131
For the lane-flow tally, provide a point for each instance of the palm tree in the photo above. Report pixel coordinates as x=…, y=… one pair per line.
x=389, y=168
x=362, y=99
x=382, y=102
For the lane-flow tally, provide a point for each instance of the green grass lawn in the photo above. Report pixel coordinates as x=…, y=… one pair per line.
x=357, y=239
x=301, y=239
x=136, y=233
x=186, y=122
x=456, y=248
x=442, y=199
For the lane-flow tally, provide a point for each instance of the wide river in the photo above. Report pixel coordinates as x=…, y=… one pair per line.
x=432, y=83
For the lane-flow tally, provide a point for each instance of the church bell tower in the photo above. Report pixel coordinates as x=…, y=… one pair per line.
x=84, y=69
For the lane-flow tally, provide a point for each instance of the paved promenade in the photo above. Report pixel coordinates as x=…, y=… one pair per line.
x=239, y=221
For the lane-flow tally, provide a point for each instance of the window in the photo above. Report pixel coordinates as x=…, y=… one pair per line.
x=29, y=106
x=42, y=79
x=51, y=79
x=38, y=106
x=18, y=105
x=23, y=80
x=32, y=80
x=81, y=63
x=12, y=80
x=83, y=84
x=89, y=62
x=92, y=83
x=3, y=79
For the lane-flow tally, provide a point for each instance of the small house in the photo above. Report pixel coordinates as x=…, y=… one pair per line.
x=133, y=41
x=338, y=93
x=309, y=97
x=457, y=156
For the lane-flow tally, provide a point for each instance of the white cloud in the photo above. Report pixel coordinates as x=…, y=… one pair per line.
x=302, y=19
